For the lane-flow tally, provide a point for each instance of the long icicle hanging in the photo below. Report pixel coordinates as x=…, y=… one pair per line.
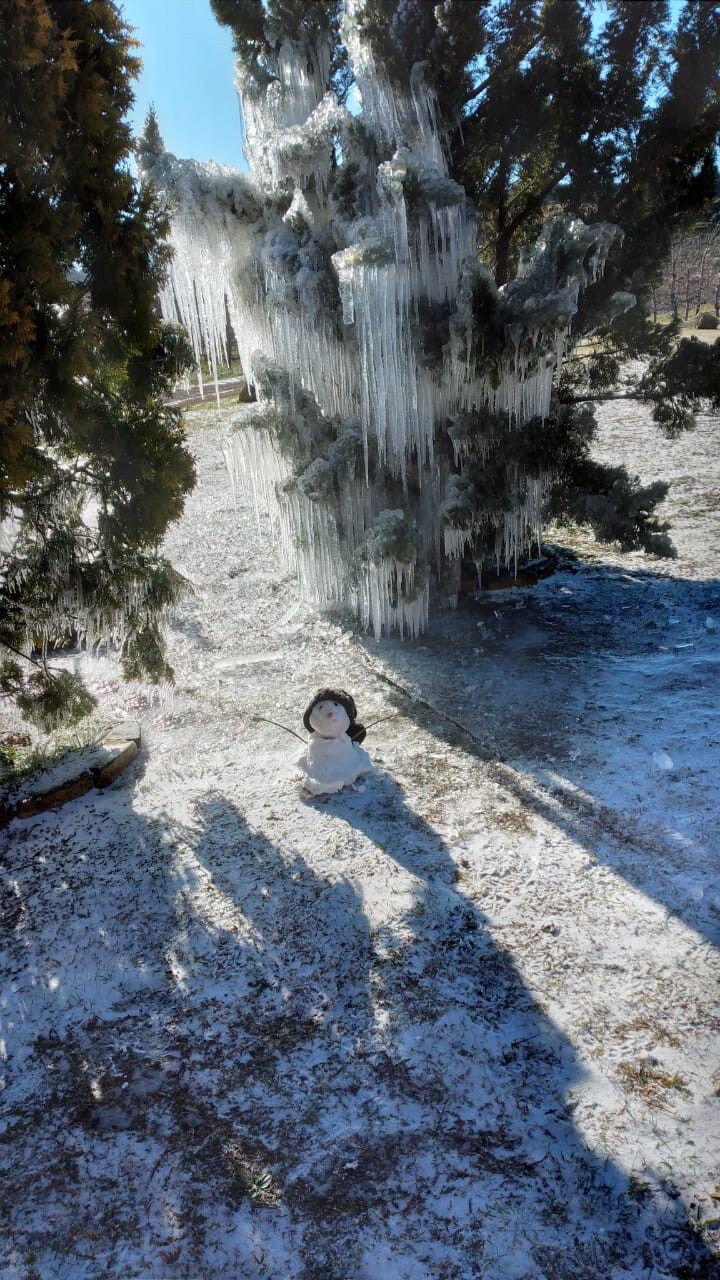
x=345, y=262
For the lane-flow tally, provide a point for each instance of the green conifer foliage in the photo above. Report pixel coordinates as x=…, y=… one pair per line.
x=618, y=118
x=608, y=111
x=93, y=467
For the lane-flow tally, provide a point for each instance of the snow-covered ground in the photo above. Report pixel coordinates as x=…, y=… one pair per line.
x=459, y=1022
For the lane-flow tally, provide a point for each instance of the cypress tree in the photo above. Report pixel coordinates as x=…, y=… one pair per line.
x=621, y=120
x=425, y=339
x=93, y=466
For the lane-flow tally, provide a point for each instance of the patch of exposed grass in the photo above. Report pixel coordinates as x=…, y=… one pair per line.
x=232, y=370
x=515, y=820
x=206, y=413
x=21, y=756
x=645, y=1023
x=649, y=1079
x=638, y=1188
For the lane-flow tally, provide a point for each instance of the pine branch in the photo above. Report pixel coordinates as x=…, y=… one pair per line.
x=501, y=68
x=535, y=202
x=27, y=657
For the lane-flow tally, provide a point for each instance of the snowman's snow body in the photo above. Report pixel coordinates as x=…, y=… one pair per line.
x=331, y=761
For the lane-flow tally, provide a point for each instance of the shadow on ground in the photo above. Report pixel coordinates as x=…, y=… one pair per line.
x=590, y=702
x=221, y=1062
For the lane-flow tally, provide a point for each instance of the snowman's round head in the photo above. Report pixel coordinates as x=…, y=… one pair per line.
x=331, y=713
x=329, y=719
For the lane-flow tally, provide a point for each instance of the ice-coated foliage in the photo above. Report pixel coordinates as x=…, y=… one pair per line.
x=391, y=372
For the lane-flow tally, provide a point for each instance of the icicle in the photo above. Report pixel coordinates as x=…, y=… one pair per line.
x=387, y=600
x=456, y=540
x=327, y=306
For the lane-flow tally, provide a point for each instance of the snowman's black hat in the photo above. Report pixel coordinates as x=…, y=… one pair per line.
x=355, y=731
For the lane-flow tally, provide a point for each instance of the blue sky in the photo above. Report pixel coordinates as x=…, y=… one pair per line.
x=188, y=67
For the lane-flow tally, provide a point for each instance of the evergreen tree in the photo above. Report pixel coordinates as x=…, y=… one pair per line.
x=426, y=363
x=92, y=465
x=621, y=120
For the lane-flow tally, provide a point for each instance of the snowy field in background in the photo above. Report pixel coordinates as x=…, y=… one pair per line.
x=460, y=1022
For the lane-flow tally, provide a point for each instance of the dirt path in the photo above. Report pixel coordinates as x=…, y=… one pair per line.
x=460, y=1022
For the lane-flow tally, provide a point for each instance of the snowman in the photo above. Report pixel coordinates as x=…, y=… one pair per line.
x=333, y=758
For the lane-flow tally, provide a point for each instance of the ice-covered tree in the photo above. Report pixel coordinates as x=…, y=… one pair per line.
x=92, y=465
x=614, y=109
x=406, y=342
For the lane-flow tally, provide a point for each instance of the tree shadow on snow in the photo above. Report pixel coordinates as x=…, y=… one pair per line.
x=245, y=1061
x=490, y=1073
x=589, y=703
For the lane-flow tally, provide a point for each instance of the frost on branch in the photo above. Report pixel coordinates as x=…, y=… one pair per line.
x=394, y=380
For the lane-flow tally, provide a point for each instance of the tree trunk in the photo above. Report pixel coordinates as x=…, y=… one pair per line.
x=653, y=294
x=502, y=258
x=673, y=284
x=503, y=231
x=687, y=293
x=701, y=280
